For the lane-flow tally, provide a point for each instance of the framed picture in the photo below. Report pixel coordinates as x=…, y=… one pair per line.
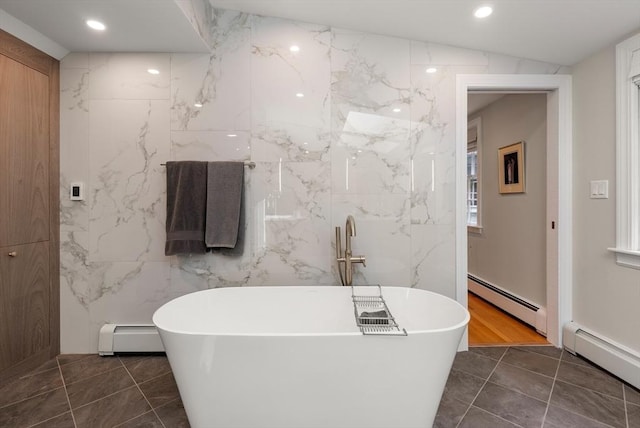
x=511, y=168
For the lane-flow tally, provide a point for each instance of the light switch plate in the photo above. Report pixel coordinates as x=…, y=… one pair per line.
x=599, y=189
x=76, y=191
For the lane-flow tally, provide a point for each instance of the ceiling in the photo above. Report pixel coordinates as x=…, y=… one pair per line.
x=557, y=31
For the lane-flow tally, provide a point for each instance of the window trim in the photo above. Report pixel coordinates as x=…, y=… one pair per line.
x=477, y=123
x=627, y=248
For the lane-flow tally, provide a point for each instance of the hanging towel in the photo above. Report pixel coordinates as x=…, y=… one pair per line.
x=186, y=207
x=225, y=181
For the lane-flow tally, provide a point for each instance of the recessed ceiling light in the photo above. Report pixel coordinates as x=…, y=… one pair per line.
x=96, y=25
x=294, y=48
x=431, y=70
x=396, y=110
x=299, y=95
x=153, y=71
x=483, y=11
x=198, y=105
x=232, y=135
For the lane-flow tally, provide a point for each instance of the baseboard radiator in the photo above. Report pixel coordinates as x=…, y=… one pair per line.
x=517, y=306
x=132, y=338
x=604, y=352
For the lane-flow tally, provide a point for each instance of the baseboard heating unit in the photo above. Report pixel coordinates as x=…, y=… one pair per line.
x=609, y=355
x=122, y=338
x=517, y=306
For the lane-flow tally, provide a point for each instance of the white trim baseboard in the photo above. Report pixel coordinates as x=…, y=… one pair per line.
x=521, y=308
x=603, y=351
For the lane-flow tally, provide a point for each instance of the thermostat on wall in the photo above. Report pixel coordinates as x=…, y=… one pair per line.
x=76, y=192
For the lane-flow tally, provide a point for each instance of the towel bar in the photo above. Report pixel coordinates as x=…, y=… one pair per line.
x=250, y=164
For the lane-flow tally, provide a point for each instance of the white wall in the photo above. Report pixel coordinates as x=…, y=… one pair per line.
x=510, y=252
x=29, y=35
x=341, y=149
x=606, y=296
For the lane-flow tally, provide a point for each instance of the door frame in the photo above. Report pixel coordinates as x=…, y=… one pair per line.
x=559, y=163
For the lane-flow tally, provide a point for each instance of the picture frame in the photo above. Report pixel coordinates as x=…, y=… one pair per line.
x=511, y=168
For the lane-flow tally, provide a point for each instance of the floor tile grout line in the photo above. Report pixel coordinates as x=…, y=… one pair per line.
x=482, y=387
x=626, y=409
x=527, y=370
x=95, y=374
x=586, y=417
x=598, y=369
x=509, y=388
x=523, y=349
x=571, y=383
x=137, y=416
x=13, y=403
x=553, y=385
x=49, y=419
x=143, y=394
x=102, y=398
x=66, y=394
x=604, y=394
x=558, y=360
x=497, y=416
x=151, y=378
x=570, y=411
x=85, y=357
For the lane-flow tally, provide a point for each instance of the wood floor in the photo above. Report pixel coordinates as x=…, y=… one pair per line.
x=490, y=326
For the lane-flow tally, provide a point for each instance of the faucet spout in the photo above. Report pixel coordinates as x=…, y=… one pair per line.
x=350, y=226
x=348, y=259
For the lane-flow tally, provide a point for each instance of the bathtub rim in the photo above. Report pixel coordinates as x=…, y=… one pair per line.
x=355, y=332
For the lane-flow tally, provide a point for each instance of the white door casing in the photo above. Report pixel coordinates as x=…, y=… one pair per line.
x=559, y=170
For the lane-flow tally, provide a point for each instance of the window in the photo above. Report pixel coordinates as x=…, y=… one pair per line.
x=628, y=153
x=473, y=176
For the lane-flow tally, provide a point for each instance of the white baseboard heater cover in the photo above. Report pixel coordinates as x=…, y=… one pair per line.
x=121, y=338
x=517, y=306
x=604, y=352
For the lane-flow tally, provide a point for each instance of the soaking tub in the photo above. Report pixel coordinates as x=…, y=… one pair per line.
x=294, y=357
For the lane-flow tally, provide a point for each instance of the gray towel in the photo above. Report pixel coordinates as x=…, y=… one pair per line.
x=186, y=207
x=225, y=181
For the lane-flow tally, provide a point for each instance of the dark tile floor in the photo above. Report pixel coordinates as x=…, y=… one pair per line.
x=488, y=387
x=535, y=386
x=77, y=391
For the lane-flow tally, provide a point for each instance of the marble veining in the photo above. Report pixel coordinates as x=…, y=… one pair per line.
x=348, y=123
x=290, y=104
x=127, y=200
x=212, y=92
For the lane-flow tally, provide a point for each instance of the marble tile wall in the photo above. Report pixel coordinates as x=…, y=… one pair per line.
x=349, y=124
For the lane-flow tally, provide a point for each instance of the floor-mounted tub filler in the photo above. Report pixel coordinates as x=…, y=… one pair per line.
x=300, y=357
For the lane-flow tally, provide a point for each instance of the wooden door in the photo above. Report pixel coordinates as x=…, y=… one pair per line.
x=24, y=150
x=29, y=204
x=24, y=302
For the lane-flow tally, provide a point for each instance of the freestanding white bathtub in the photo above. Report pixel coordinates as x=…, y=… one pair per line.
x=283, y=357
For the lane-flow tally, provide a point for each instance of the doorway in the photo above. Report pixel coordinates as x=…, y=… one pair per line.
x=507, y=219
x=558, y=216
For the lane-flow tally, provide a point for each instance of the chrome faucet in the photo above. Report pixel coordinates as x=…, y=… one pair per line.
x=348, y=259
